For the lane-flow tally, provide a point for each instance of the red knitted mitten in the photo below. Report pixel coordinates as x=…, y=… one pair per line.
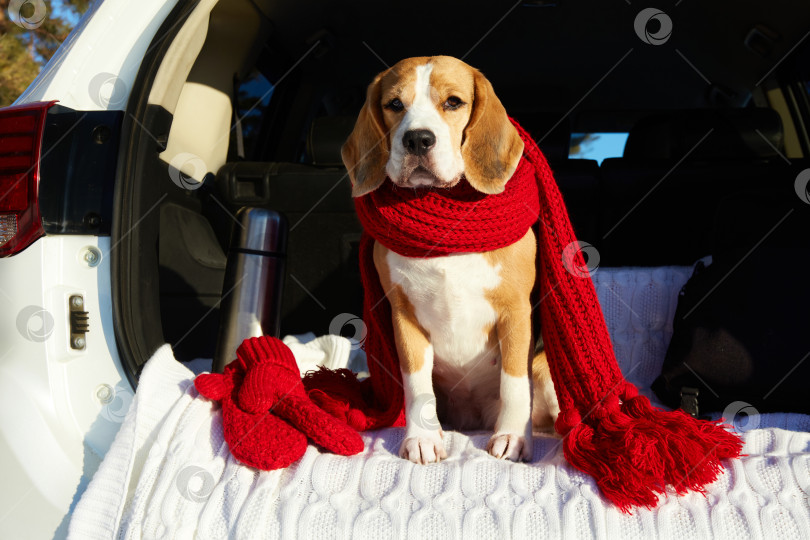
x=267, y=415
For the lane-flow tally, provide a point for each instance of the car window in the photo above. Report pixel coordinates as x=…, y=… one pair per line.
x=253, y=95
x=597, y=146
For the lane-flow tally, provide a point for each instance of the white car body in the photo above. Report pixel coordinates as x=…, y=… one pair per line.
x=60, y=408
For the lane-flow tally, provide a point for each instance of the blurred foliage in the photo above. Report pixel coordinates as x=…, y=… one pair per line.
x=579, y=141
x=24, y=51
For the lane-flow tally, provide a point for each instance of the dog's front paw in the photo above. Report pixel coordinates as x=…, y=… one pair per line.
x=424, y=448
x=510, y=446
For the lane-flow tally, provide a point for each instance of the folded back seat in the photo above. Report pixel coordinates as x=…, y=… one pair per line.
x=322, y=279
x=660, y=202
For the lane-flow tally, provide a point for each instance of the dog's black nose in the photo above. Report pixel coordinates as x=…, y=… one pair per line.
x=418, y=141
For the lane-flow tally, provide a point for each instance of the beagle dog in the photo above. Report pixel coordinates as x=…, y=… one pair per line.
x=462, y=323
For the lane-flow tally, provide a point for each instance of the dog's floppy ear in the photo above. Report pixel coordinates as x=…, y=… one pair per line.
x=365, y=152
x=492, y=147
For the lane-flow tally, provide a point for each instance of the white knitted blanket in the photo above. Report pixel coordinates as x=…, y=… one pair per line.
x=169, y=473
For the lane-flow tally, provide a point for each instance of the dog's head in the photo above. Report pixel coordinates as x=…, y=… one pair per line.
x=430, y=121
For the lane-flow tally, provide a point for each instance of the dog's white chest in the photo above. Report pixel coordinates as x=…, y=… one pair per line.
x=449, y=297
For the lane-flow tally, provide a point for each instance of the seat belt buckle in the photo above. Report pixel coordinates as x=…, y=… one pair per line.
x=689, y=401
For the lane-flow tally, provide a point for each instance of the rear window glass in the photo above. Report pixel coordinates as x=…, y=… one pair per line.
x=597, y=146
x=252, y=98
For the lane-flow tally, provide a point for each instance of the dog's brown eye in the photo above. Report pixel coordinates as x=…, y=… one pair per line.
x=452, y=103
x=395, y=105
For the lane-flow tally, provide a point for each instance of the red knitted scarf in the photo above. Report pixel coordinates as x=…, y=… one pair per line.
x=633, y=450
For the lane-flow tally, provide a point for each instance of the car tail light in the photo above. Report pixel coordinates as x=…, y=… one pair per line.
x=21, y=129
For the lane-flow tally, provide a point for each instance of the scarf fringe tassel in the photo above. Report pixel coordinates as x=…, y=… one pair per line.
x=636, y=452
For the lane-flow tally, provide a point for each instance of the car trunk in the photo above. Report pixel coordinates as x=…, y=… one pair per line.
x=248, y=107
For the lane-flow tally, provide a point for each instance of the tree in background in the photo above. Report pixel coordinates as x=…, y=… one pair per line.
x=581, y=142
x=30, y=33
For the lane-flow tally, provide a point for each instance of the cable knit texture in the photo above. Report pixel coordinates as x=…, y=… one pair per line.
x=267, y=415
x=170, y=474
x=633, y=450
